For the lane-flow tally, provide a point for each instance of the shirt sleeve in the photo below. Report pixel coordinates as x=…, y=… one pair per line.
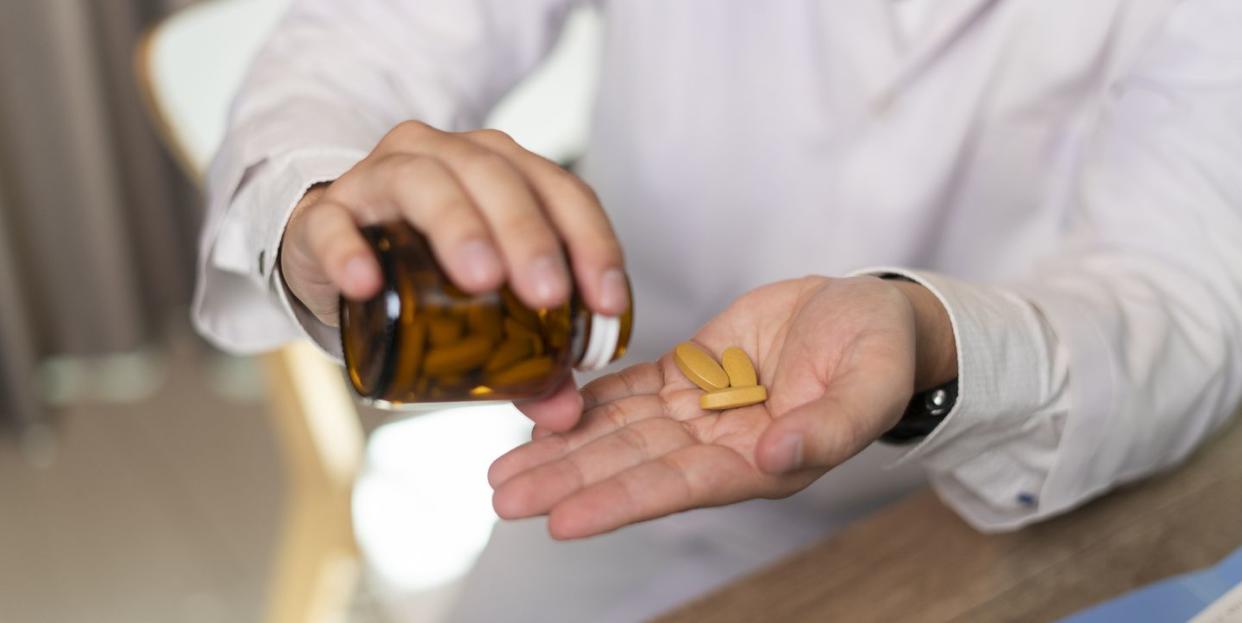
x=333, y=78
x=1121, y=354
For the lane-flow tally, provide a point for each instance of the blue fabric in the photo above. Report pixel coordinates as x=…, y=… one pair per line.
x=1178, y=598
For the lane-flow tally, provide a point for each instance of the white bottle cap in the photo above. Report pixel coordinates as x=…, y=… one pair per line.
x=601, y=343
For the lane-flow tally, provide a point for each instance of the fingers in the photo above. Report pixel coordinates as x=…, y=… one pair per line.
x=526, y=456
x=332, y=238
x=537, y=490
x=427, y=194
x=854, y=411
x=596, y=423
x=566, y=408
x=692, y=477
x=492, y=211
x=638, y=379
x=424, y=191
x=576, y=213
x=526, y=239
x=558, y=412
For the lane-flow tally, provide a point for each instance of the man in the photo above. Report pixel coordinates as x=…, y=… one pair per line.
x=1057, y=184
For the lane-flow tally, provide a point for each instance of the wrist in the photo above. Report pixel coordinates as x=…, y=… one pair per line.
x=935, y=344
x=309, y=198
x=289, y=259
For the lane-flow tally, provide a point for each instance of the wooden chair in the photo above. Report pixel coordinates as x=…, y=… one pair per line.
x=188, y=68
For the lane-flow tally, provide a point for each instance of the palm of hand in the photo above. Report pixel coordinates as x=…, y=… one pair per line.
x=835, y=355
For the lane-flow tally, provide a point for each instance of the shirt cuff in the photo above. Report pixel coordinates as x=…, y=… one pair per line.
x=294, y=175
x=259, y=218
x=279, y=190
x=1003, y=370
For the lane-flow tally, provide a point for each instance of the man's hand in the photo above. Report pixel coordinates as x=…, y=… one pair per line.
x=840, y=357
x=494, y=213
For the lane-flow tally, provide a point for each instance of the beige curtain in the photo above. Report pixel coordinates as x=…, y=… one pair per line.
x=97, y=226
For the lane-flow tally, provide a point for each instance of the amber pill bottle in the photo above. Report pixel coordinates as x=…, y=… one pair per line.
x=423, y=340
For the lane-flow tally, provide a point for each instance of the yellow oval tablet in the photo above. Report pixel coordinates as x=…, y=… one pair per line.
x=699, y=366
x=456, y=358
x=733, y=398
x=737, y=365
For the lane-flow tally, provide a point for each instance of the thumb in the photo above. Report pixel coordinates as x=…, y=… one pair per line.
x=324, y=255
x=854, y=411
x=557, y=412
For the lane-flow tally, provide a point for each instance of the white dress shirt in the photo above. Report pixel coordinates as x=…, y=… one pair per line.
x=1066, y=176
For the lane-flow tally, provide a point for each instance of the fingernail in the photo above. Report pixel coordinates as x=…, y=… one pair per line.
x=480, y=262
x=547, y=278
x=359, y=272
x=613, y=293
x=789, y=453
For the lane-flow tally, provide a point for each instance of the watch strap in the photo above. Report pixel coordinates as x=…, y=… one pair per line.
x=927, y=409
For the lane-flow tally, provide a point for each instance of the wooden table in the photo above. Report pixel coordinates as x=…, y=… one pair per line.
x=917, y=561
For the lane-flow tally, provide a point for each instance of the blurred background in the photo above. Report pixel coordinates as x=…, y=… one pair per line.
x=146, y=477
x=93, y=262
x=143, y=475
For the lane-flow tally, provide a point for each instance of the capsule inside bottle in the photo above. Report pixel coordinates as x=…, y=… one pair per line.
x=421, y=339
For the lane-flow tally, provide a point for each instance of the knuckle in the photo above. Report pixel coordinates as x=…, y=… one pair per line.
x=314, y=210
x=493, y=136
x=604, y=250
x=453, y=212
x=565, y=184
x=321, y=220
x=580, y=187
x=529, y=234
x=570, y=187
x=346, y=185
x=595, y=250
x=410, y=129
x=404, y=168
x=453, y=222
x=484, y=164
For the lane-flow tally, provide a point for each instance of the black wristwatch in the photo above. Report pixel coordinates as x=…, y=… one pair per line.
x=927, y=409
